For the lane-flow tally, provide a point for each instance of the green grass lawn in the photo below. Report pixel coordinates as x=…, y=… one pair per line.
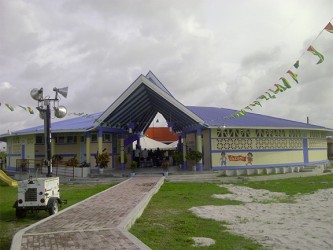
x=9, y=224
x=293, y=186
x=167, y=223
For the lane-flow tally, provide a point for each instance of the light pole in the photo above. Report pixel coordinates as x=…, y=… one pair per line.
x=45, y=114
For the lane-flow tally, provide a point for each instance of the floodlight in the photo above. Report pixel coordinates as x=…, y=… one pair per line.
x=41, y=112
x=36, y=94
x=60, y=112
x=41, y=115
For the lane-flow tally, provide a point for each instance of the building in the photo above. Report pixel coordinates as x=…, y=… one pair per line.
x=249, y=142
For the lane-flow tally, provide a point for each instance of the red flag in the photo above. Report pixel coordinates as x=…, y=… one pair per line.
x=316, y=53
x=329, y=27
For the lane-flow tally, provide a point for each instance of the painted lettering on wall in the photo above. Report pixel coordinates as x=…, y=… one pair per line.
x=248, y=158
x=236, y=158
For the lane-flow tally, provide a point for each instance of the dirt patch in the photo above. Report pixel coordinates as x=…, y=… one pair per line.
x=305, y=224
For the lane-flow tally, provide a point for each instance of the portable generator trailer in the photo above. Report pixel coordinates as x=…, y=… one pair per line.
x=38, y=194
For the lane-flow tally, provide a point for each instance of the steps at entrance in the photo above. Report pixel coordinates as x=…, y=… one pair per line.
x=193, y=177
x=311, y=168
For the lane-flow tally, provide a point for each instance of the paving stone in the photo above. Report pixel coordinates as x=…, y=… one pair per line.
x=92, y=224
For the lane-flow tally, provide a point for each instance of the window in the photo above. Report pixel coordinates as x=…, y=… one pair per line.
x=39, y=139
x=60, y=139
x=106, y=137
x=71, y=139
x=94, y=137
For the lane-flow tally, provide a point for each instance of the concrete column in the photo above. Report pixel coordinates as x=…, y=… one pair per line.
x=113, y=159
x=199, y=148
x=88, y=141
x=100, y=141
x=122, y=152
x=184, y=151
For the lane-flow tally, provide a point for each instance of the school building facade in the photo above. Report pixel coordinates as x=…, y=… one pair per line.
x=249, y=142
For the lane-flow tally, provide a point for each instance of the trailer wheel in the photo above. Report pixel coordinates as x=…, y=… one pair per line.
x=54, y=207
x=20, y=213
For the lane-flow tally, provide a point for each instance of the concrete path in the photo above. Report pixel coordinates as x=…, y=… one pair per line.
x=99, y=222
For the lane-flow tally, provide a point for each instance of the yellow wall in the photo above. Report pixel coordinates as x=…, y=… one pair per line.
x=15, y=144
x=260, y=158
x=268, y=146
x=317, y=155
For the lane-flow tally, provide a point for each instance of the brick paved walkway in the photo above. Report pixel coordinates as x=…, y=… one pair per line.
x=100, y=222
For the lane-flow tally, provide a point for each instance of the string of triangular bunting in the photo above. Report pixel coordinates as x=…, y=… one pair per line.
x=278, y=88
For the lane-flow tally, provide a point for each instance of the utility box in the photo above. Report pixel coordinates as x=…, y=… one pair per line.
x=38, y=194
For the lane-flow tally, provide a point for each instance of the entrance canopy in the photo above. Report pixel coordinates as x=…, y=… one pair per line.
x=139, y=104
x=147, y=143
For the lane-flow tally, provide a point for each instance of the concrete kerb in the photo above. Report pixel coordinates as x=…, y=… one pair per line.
x=130, y=219
x=17, y=239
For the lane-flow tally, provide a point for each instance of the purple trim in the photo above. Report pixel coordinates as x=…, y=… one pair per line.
x=199, y=166
x=23, y=151
x=13, y=155
x=305, y=150
x=185, y=165
x=131, y=139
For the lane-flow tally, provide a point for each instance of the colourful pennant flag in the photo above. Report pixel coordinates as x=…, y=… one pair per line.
x=242, y=112
x=329, y=27
x=274, y=91
x=316, y=53
x=280, y=87
x=293, y=75
x=11, y=108
x=30, y=110
x=296, y=64
x=23, y=107
x=256, y=103
x=263, y=97
x=270, y=96
x=286, y=82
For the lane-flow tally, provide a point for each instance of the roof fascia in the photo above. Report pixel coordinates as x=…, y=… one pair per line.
x=262, y=127
x=156, y=89
x=120, y=99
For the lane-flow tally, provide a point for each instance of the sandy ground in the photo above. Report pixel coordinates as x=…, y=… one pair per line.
x=305, y=224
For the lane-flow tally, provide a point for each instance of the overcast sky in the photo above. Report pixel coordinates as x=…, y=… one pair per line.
x=217, y=53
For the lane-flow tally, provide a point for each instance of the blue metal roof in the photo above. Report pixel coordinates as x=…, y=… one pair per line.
x=213, y=117
x=81, y=123
x=219, y=117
